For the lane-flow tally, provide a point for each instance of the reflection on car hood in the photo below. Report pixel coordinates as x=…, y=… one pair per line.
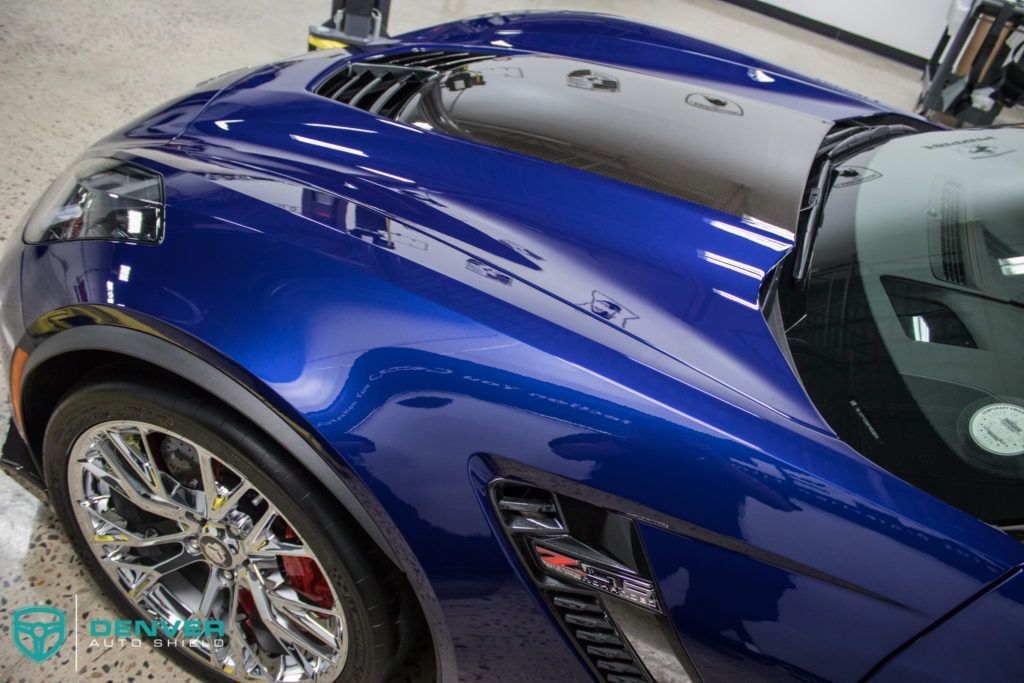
x=672, y=281
x=684, y=138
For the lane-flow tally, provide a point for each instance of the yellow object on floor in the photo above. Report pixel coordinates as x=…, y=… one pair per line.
x=318, y=43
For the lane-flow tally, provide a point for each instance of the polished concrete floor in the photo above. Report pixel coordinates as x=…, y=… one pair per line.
x=70, y=71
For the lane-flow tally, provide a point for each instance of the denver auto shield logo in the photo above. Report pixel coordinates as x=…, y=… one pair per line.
x=38, y=631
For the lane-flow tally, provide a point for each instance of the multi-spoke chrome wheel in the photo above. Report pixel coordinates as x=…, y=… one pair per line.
x=185, y=536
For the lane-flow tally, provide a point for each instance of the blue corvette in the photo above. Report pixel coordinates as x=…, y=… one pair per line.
x=536, y=347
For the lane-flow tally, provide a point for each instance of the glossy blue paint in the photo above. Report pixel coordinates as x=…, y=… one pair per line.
x=983, y=642
x=430, y=311
x=614, y=40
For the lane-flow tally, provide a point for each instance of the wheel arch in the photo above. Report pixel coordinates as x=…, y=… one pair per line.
x=58, y=360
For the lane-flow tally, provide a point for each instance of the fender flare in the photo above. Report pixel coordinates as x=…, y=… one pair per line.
x=186, y=365
x=145, y=343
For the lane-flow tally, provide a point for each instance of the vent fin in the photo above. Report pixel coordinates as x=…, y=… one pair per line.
x=528, y=510
x=597, y=637
x=527, y=505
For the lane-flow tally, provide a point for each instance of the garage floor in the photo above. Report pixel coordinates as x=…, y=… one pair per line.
x=70, y=71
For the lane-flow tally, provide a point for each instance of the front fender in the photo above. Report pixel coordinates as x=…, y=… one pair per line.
x=83, y=328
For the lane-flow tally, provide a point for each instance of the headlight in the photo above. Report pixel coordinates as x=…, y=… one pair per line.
x=100, y=199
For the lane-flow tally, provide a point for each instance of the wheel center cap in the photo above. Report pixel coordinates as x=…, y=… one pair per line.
x=216, y=551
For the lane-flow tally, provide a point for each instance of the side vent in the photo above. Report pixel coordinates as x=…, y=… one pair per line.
x=589, y=566
x=384, y=84
x=597, y=637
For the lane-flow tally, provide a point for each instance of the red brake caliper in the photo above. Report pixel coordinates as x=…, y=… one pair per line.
x=305, y=575
x=245, y=601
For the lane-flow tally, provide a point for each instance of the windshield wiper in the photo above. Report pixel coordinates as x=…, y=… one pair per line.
x=837, y=148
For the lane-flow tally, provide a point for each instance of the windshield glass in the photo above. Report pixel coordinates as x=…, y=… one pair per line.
x=908, y=334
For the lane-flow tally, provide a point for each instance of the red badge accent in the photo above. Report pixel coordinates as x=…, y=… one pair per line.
x=556, y=560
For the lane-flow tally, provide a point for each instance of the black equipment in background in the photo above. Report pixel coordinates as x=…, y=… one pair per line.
x=356, y=23
x=977, y=70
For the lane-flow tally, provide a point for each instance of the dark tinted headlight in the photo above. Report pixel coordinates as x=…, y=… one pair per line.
x=102, y=199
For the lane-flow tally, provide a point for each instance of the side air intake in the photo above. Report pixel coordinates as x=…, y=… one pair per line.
x=597, y=637
x=589, y=566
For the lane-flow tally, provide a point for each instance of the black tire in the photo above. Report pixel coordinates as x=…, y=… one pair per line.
x=361, y=580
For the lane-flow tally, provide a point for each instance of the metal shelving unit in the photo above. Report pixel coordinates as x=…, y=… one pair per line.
x=969, y=80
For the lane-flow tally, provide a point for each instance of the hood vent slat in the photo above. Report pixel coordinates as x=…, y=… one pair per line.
x=384, y=84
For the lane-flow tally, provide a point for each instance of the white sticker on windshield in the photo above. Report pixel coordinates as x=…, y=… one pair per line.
x=999, y=428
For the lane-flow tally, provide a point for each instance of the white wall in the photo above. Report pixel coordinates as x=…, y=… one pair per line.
x=913, y=26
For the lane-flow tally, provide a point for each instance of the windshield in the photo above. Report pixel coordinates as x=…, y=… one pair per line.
x=908, y=333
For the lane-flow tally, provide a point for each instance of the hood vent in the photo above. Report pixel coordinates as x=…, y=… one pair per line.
x=384, y=84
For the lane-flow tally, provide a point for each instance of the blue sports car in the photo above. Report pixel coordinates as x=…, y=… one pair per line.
x=536, y=347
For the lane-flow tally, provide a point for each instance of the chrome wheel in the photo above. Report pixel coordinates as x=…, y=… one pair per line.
x=184, y=536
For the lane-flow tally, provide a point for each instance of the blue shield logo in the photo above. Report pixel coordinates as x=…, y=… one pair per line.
x=38, y=631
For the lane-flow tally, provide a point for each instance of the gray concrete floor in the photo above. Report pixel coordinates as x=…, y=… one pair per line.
x=71, y=71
